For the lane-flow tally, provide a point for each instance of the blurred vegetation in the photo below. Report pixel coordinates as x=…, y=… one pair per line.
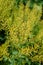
x=21, y=32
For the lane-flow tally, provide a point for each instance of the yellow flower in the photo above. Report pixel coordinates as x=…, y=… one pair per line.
x=26, y=51
x=4, y=50
x=18, y=23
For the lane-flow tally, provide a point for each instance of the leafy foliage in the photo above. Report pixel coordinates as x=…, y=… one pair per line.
x=21, y=32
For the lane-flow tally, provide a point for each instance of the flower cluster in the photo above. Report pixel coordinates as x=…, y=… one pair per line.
x=24, y=31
